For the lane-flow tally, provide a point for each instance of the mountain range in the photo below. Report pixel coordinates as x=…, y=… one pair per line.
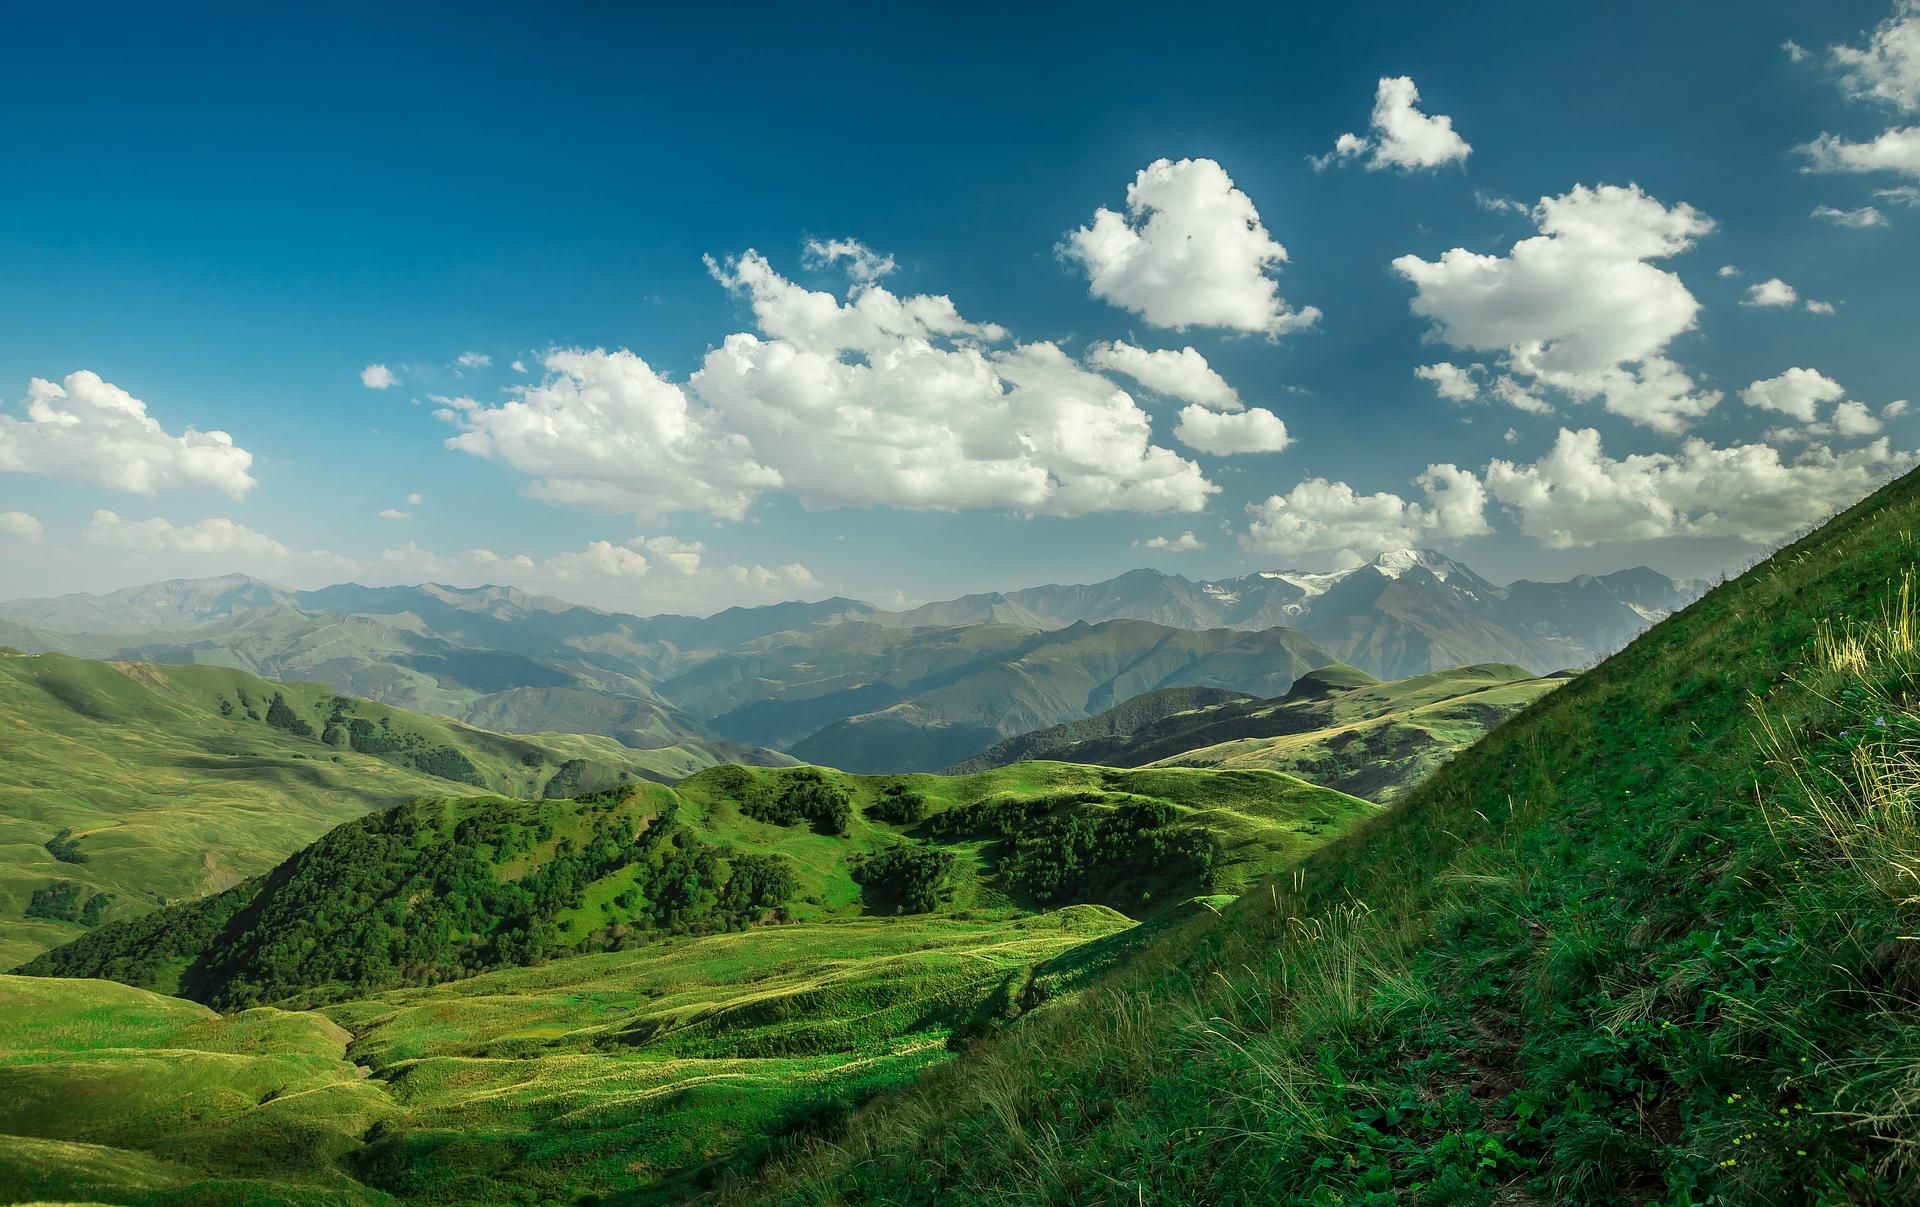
x=842, y=681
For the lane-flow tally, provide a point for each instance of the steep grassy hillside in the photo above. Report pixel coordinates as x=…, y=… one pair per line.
x=1650, y=941
x=1337, y=726
x=124, y=786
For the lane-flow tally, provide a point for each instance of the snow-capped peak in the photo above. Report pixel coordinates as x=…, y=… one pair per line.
x=1395, y=562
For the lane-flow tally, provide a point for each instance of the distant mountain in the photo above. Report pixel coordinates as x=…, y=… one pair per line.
x=1337, y=726
x=1406, y=612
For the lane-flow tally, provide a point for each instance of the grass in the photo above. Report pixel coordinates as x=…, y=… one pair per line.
x=167, y=797
x=1650, y=941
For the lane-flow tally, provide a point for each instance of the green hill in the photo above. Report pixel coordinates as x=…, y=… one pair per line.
x=1650, y=941
x=1337, y=726
x=124, y=786
x=472, y=999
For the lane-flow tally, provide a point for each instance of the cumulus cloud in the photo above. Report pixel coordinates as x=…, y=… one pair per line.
x=1577, y=496
x=1726, y=270
x=1579, y=307
x=1186, y=542
x=1797, y=393
x=1887, y=68
x=473, y=360
x=91, y=430
x=1796, y=53
x=645, y=574
x=518, y=366
x=414, y=499
x=1189, y=252
x=1771, y=292
x=1894, y=409
x=875, y=400
x=1896, y=150
x=1854, y=419
x=1814, y=307
x=862, y=262
x=1223, y=434
x=1858, y=219
x=1403, y=137
x=157, y=535
x=1184, y=374
x=19, y=526
x=1451, y=381
x=378, y=377
x=1318, y=516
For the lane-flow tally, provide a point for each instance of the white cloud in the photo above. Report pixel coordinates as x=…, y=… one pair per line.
x=219, y=536
x=1797, y=393
x=1520, y=398
x=1497, y=204
x=863, y=263
x=1796, y=53
x=1189, y=252
x=1854, y=419
x=1184, y=374
x=604, y=430
x=1858, y=219
x=1403, y=137
x=394, y=513
x=1902, y=194
x=878, y=400
x=1894, y=409
x=1887, y=68
x=414, y=499
x=518, y=366
x=1727, y=270
x=1814, y=307
x=473, y=360
x=1896, y=150
x=19, y=526
x=91, y=430
x=1222, y=434
x=1318, y=516
x=1579, y=307
x=1771, y=292
x=1512, y=436
x=1451, y=381
x=1577, y=496
x=378, y=377
x=644, y=575
x=1186, y=542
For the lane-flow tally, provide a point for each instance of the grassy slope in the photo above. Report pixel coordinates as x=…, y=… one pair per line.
x=1338, y=726
x=636, y=1072
x=169, y=799
x=1603, y=956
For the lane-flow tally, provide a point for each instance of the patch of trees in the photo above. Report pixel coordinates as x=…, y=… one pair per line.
x=148, y=951
x=806, y=796
x=566, y=781
x=66, y=848
x=1071, y=848
x=906, y=878
x=898, y=805
x=280, y=715
x=66, y=901
x=415, y=896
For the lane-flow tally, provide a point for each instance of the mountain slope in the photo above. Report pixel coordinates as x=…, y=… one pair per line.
x=1337, y=726
x=137, y=784
x=1056, y=742
x=1643, y=943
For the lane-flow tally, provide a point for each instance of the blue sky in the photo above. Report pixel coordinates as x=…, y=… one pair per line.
x=230, y=215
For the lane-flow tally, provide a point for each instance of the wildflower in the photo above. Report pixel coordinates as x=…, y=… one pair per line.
x=1880, y=722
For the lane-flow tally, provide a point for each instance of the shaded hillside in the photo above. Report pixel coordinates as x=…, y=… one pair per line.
x=124, y=785
x=1648, y=942
x=1058, y=741
x=1337, y=726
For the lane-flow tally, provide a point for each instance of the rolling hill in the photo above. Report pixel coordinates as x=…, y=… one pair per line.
x=125, y=785
x=470, y=999
x=1337, y=726
x=1649, y=941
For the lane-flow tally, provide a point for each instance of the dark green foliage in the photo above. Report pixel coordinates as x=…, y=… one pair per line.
x=1059, y=851
x=147, y=951
x=415, y=896
x=906, y=876
x=533, y=758
x=226, y=707
x=566, y=781
x=898, y=805
x=449, y=764
x=65, y=901
x=66, y=848
x=803, y=795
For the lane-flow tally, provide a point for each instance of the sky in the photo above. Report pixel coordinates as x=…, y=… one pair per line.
x=674, y=311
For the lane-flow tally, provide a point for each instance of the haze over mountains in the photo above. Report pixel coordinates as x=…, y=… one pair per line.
x=843, y=682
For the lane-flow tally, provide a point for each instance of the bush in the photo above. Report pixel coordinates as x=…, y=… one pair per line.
x=898, y=805
x=908, y=877
x=804, y=796
x=66, y=848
